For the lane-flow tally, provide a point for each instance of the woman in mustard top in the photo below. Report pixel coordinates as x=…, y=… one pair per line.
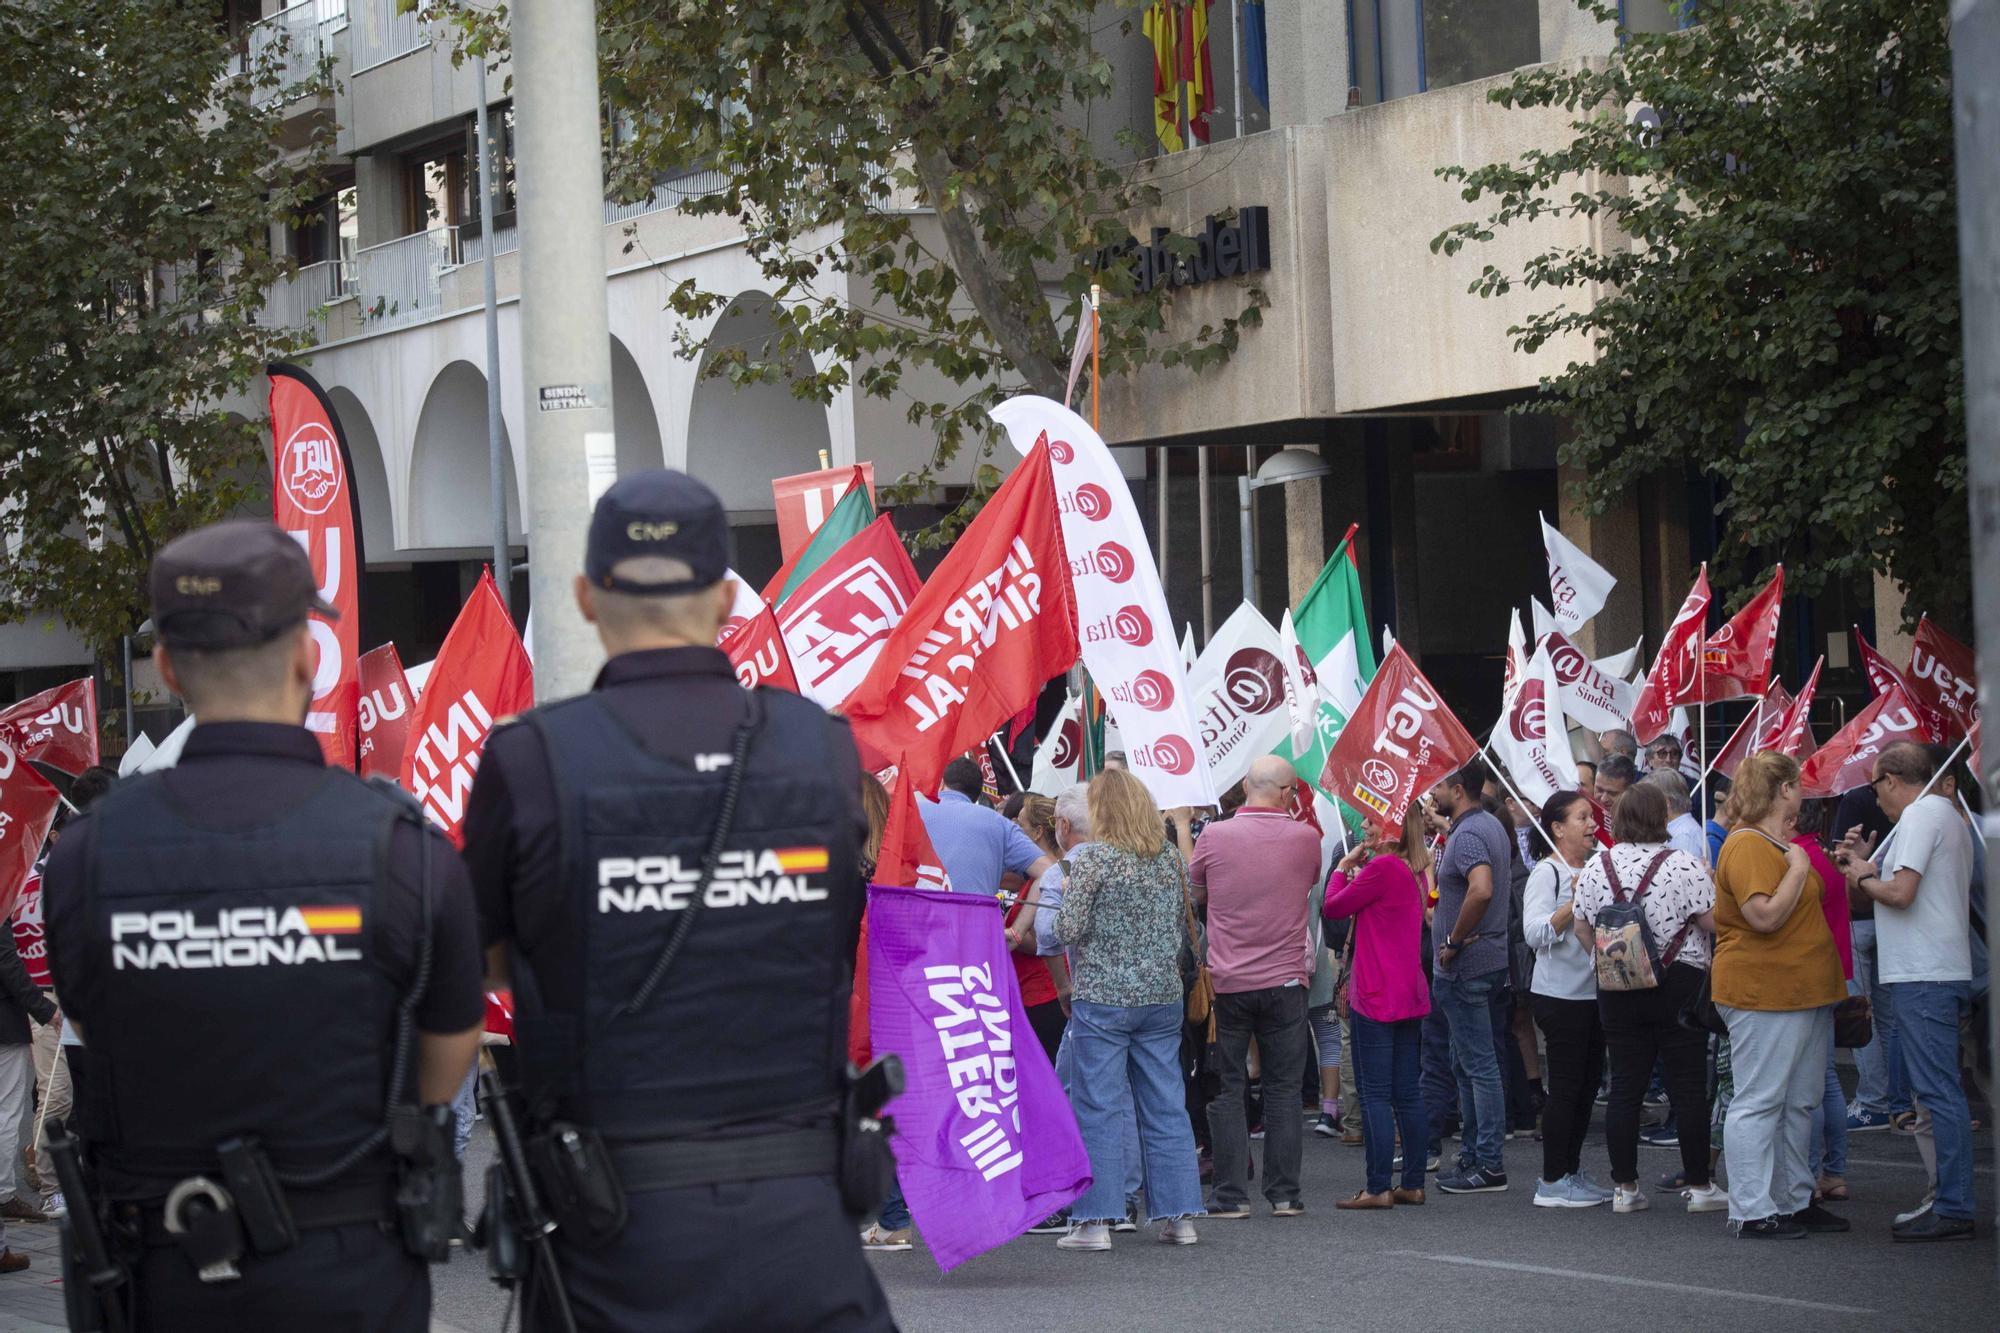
x=1776, y=979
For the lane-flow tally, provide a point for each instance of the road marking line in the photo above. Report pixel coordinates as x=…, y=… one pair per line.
x=1681, y=1287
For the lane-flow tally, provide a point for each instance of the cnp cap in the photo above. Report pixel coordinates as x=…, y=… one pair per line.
x=661, y=513
x=232, y=585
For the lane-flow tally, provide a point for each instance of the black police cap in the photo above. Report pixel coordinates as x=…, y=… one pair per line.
x=659, y=513
x=232, y=585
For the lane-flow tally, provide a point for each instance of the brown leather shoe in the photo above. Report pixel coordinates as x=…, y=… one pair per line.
x=18, y=1209
x=11, y=1262
x=1401, y=1195
x=1350, y=1137
x=1363, y=1199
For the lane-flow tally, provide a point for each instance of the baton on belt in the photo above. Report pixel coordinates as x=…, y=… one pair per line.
x=93, y=1257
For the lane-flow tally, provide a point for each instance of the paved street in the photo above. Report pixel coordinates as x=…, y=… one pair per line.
x=1489, y=1262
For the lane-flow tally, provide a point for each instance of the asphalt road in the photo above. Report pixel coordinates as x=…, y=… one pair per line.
x=1474, y=1263
x=1479, y=1262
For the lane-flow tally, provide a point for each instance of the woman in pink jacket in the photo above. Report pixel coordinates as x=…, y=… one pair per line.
x=1387, y=999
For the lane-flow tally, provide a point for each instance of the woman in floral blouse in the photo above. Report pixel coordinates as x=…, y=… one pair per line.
x=1124, y=920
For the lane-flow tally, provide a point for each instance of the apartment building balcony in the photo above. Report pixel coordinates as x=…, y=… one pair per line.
x=378, y=33
x=311, y=300
x=397, y=283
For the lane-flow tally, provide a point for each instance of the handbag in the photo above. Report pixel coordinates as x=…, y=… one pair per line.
x=1699, y=1014
x=1201, y=989
x=1853, y=1022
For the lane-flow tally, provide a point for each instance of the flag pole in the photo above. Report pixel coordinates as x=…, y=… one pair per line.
x=1501, y=773
x=1095, y=292
x=995, y=741
x=1701, y=730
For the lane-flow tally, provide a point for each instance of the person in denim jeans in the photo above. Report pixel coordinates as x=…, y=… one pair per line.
x=1123, y=918
x=1472, y=959
x=1921, y=882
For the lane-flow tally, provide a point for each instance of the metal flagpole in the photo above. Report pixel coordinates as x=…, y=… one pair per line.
x=1236, y=62
x=1000, y=745
x=1095, y=292
x=1701, y=728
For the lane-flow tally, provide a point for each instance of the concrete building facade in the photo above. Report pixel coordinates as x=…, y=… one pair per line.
x=1371, y=352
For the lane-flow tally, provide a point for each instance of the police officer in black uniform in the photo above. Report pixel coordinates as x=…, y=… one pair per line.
x=710, y=1070
x=269, y=962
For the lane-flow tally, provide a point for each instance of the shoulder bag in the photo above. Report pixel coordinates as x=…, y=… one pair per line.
x=1198, y=982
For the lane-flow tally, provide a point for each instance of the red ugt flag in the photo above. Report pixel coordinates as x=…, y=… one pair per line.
x=757, y=651
x=311, y=500
x=1943, y=675
x=1793, y=734
x=1736, y=660
x=384, y=714
x=1674, y=678
x=1399, y=742
x=1881, y=676
x=27, y=807
x=997, y=618
x=57, y=727
x=1756, y=730
x=1848, y=760
x=482, y=674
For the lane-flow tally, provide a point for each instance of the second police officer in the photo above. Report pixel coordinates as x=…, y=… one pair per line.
x=667, y=872
x=270, y=964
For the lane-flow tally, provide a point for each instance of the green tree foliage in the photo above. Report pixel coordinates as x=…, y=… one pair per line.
x=915, y=180
x=141, y=184
x=1773, y=299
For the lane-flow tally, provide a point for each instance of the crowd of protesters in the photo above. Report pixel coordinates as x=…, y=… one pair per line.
x=1497, y=969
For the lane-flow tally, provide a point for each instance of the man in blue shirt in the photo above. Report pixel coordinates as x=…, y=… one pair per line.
x=977, y=845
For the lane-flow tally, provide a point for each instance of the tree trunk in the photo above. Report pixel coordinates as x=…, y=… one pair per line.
x=1020, y=333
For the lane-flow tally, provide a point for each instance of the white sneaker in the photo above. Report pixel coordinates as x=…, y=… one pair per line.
x=55, y=1207
x=1918, y=1211
x=1085, y=1236
x=1178, y=1231
x=1629, y=1200
x=1708, y=1198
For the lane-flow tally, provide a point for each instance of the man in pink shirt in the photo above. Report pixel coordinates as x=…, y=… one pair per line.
x=1255, y=872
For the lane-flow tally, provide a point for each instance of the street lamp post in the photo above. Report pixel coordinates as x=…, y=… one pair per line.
x=1285, y=466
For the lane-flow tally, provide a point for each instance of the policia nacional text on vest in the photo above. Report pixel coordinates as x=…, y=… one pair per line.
x=236, y=928
x=680, y=1001
x=233, y=1164
x=646, y=1068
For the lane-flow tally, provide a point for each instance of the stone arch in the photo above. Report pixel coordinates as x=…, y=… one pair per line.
x=738, y=439
x=639, y=444
x=446, y=505
x=368, y=474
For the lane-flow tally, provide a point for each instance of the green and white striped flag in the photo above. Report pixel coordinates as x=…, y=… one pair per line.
x=1332, y=628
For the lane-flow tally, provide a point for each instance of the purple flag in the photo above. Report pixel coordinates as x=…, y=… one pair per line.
x=986, y=1143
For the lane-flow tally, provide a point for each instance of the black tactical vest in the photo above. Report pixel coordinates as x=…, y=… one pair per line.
x=244, y=989
x=752, y=1015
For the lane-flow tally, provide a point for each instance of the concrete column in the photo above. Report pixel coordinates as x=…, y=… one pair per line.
x=1305, y=539
x=378, y=197
x=1306, y=45
x=1568, y=32
x=565, y=327
x=1891, y=639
